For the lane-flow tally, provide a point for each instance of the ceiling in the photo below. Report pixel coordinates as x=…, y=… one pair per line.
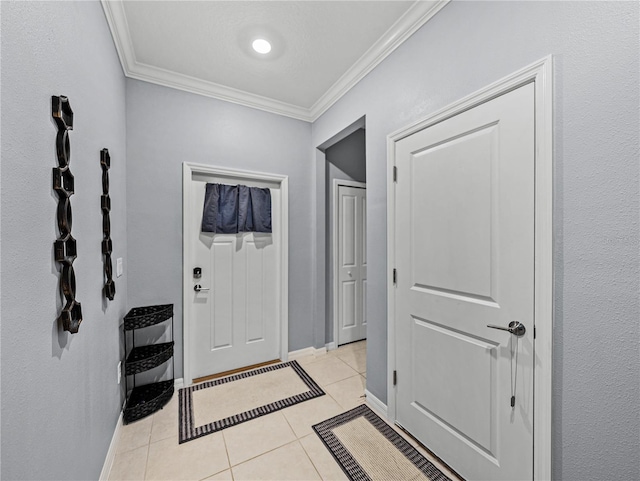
x=320, y=48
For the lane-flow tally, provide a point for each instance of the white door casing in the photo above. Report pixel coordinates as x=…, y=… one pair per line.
x=443, y=309
x=242, y=319
x=350, y=261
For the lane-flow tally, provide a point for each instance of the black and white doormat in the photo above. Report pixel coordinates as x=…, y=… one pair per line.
x=367, y=448
x=211, y=406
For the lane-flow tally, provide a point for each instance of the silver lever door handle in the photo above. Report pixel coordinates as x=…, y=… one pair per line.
x=515, y=327
x=199, y=288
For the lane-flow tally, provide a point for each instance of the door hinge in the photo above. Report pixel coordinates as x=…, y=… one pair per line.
x=534, y=332
x=395, y=276
x=395, y=173
x=395, y=377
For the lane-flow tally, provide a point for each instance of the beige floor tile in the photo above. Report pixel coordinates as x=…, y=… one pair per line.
x=289, y=462
x=192, y=460
x=348, y=392
x=223, y=476
x=322, y=458
x=305, y=360
x=129, y=465
x=165, y=421
x=355, y=359
x=135, y=435
x=255, y=437
x=304, y=415
x=352, y=347
x=329, y=370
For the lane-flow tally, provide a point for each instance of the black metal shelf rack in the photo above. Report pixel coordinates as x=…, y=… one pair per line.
x=144, y=400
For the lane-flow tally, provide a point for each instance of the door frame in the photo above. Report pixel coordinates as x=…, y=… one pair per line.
x=334, y=246
x=541, y=74
x=188, y=169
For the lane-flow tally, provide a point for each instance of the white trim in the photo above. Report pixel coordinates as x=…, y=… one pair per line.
x=307, y=351
x=541, y=74
x=414, y=18
x=113, y=447
x=178, y=383
x=331, y=346
x=334, y=247
x=374, y=403
x=188, y=169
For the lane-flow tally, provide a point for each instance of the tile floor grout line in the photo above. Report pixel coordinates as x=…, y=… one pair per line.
x=309, y=456
x=226, y=449
x=266, y=452
x=146, y=463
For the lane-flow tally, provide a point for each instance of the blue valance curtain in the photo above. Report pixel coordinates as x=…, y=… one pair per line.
x=229, y=209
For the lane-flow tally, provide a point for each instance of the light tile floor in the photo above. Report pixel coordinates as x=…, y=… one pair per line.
x=279, y=446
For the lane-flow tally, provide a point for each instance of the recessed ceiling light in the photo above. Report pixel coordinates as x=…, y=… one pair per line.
x=261, y=46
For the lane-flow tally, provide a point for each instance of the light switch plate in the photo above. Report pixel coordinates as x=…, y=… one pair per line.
x=119, y=268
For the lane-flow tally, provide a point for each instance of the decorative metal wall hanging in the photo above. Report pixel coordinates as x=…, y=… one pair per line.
x=63, y=183
x=107, y=245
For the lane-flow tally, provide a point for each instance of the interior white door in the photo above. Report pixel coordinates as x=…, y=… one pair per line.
x=464, y=209
x=236, y=318
x=352, y=264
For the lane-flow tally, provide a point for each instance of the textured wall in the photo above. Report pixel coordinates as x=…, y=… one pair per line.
x=595, y=45
x=344, y=160
x=60, y=399
x=167, y=127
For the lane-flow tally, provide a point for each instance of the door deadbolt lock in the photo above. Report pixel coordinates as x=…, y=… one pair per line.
x=197, y=272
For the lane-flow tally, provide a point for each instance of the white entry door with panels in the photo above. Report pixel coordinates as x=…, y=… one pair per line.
x=350, y=252
x=464, y=254
x=233, y=284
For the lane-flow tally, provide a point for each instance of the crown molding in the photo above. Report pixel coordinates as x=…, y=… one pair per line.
x=414, y=18
x=167, y=78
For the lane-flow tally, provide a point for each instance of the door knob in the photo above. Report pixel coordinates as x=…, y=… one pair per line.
x=349, y=272
x=515, y=327
x=199, y=288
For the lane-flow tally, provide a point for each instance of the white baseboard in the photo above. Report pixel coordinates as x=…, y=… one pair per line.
x=374, y=403
x=307, y=351
x=111, y=453
x=178, y=383
x=331, y=346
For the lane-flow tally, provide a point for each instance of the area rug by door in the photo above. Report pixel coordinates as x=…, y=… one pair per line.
x=368, y=449
x=215, y=405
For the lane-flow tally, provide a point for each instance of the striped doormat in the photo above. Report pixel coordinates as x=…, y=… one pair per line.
x=211, y=406
x=367, y=448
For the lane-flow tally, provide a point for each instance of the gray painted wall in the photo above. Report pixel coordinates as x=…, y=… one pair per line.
x=166, y=127
x=595, y=45
x=345, y=160
x=60, y=398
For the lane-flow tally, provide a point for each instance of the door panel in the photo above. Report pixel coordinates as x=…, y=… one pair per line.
x=236, y=323
x=465, y=258
x=352, y=268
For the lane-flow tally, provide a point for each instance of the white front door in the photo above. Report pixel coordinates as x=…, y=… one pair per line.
x=352, y=264
x=236, y=314
x=464, y=249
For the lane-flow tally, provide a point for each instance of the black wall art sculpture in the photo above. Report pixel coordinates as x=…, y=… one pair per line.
x=65, y=250
x=107, y=245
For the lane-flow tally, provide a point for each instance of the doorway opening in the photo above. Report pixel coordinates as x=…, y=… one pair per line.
x=345, y=240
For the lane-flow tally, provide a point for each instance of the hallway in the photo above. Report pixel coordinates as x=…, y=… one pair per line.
x=281, y=445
